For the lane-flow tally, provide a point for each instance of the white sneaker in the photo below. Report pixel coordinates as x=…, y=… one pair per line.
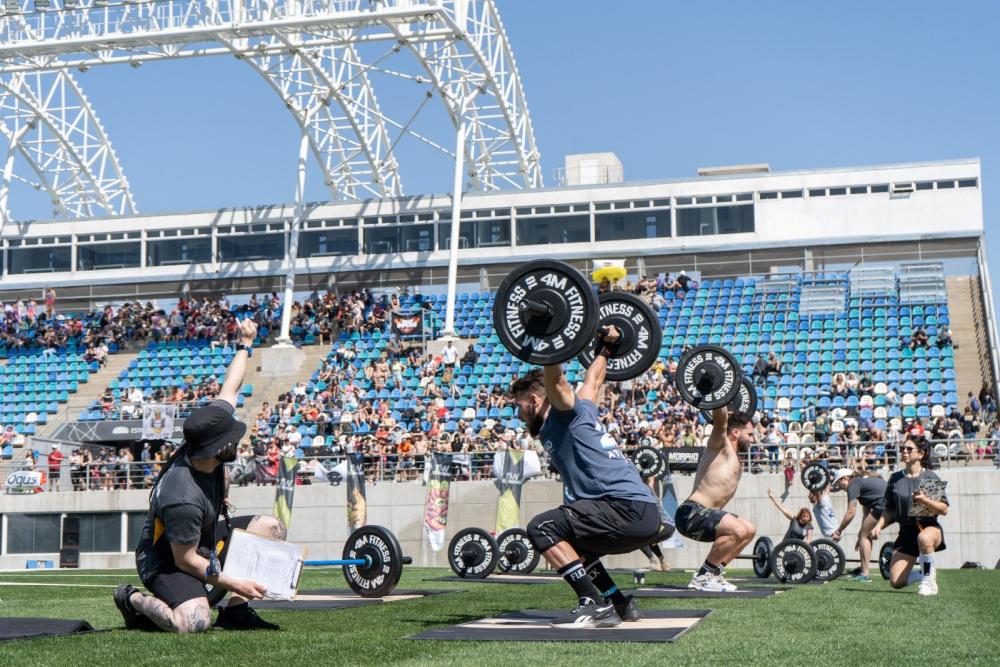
x=726, y=586
x=915, y=576
x=928, y=586
x=710, y=583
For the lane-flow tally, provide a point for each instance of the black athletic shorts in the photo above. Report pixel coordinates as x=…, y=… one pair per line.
x=906, y=540
x=697, y=522
x=596, y=527
x=175, y=587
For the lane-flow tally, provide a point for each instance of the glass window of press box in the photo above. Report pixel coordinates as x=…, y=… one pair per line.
x=99, y=256
x=476, y=234
x=380, y=240
x=44, y=259
x=622, y=225
x=555, y=229
x=100, y=531
x=710, y=220
x=251, y=247
x=33, y=533
x=193, y=250
x=329, y=243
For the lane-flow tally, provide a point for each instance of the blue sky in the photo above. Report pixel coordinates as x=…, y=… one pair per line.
x=668, y=86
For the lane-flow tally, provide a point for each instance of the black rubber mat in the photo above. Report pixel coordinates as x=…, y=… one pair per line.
x=32, y=628
x=336, y=598
x=666, y=591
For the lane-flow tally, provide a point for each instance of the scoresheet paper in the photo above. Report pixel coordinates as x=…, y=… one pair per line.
x=273, y=563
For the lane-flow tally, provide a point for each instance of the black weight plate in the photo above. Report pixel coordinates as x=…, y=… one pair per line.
x=745, y=402
x=517, y=554
x=885, y=559
x=830, y=559
x=649, y=462
x=793, y=562
x=473, y=553
x=762, y=549
x=641, y=335
x=708, y=377
x=382, y=549
x=815, y=476
x=545, y=339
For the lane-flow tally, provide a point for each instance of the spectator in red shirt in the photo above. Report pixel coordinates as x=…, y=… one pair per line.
x=55, y=461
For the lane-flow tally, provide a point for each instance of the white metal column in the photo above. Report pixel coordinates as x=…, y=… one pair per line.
x=284, y=340
x=456, y=225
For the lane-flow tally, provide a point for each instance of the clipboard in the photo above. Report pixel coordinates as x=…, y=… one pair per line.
x=273, y=563
x=933, y=489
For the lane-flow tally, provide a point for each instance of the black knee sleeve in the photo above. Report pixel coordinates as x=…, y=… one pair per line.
x=547, y=529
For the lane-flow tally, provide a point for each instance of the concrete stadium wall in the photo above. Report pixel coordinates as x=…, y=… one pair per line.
x=972, y=528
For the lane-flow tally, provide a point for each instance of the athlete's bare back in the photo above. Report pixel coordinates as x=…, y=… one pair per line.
x=719, y=469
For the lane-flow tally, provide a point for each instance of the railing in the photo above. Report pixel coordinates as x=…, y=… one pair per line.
x=478, y=465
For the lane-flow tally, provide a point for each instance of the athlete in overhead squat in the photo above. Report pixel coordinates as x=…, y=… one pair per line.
x=607, y=509
x=701, y=517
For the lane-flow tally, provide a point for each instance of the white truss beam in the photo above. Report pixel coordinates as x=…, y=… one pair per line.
x=313, y=54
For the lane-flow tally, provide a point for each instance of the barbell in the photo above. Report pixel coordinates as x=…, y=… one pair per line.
x=798, y=562
x=372, y=562
x=546, y=313
x=475, y=554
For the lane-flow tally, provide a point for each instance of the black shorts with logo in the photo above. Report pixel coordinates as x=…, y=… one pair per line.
x=906, y=540
x=596, y=527
x=697, y=522
x=175, y=587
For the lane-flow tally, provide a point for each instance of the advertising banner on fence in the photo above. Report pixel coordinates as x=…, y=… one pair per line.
x=436, y=507
x=158, y=421
x=408, y=324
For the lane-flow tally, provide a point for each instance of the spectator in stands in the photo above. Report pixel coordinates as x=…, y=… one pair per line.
x=55, y=467
x=772, y=441
x=865, y=385
x=50, y=303
x=918, y=338
x=975, y=404
x=774, y=364
x=799, y=523
x=839, y=386
x=970, y=429
x=944, y=339
x=449, y=355
x=760, y=370
x=470, y=357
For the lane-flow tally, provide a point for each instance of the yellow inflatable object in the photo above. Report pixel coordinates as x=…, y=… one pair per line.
x=609, y=273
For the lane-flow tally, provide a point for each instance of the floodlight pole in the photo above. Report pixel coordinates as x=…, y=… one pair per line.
x=284, y=340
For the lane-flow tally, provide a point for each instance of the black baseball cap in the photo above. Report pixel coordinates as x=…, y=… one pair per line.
x=210, y=429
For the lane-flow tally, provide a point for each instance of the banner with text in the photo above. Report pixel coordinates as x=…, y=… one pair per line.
x=438, y=477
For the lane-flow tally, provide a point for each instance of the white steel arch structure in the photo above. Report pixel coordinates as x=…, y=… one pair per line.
x=312, y=53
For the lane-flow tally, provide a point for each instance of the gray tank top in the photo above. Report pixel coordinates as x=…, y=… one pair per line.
x=588, y=458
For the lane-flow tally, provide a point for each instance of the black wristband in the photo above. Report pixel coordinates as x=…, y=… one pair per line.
x=602, y=349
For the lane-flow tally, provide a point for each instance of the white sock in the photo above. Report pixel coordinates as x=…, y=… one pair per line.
x=928, y=565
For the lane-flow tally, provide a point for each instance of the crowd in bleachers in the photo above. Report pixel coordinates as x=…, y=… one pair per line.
x=827, y=385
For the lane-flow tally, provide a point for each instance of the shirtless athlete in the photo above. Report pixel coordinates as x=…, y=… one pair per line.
x=701, y=517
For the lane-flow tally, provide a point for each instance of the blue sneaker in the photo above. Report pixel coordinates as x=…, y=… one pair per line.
x=862, y=578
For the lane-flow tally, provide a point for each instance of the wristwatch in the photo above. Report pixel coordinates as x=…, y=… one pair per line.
x=248, y=348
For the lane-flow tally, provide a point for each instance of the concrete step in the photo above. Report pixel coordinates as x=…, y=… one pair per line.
x=972, y=367
x=267, y=388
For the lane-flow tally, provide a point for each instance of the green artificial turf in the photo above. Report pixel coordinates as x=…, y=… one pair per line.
x=842, y=623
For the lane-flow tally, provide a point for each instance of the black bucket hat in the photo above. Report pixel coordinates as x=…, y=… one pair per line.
x=211, y=429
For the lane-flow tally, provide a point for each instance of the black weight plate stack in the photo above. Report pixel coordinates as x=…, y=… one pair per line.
x=545, y=312
x=745, y=403
x=762, y=557
x=793, y=562
x=708, y=377
x=473, y=553
x=517, y=554
x=385, y=557
x=830, y=559
x=640, y=331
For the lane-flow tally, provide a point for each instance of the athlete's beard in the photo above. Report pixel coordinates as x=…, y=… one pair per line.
x=534, y=422
x=535, y=425
x=743, y=442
